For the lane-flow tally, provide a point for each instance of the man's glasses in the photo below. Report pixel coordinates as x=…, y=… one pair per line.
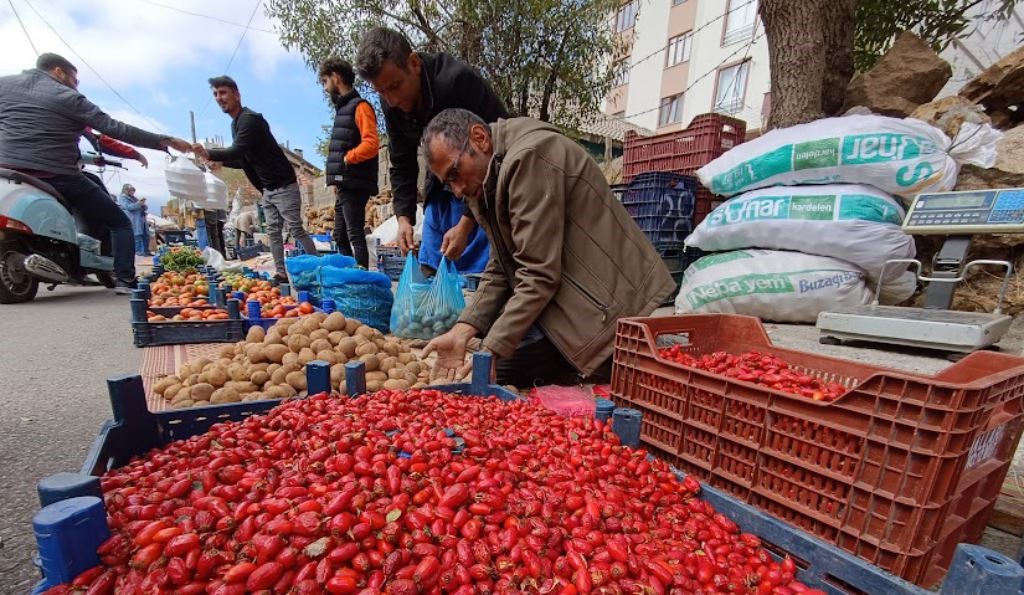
x=453, y=171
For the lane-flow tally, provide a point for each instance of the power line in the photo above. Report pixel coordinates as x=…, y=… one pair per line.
x=206, y=16
x=89, y=66
x=27, y=36
x=691, y=32
x=231, y=60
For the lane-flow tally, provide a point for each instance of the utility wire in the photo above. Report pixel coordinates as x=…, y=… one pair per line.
x=89, y=66
x=691, y=32
x=27, y=36
x=206, y=16
x=231, y=60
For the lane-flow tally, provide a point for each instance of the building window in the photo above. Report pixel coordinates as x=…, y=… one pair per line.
x=622, y=74
x=739, y=21
x=731, y=88
x=671, y=111
x=679, y=49
x=625, y=18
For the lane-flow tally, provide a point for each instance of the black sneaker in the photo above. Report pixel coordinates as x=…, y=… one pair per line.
x=125, y=287
x=279, y=279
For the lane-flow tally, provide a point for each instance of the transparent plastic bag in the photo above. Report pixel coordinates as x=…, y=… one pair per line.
x=425, y=310
x=362, y=295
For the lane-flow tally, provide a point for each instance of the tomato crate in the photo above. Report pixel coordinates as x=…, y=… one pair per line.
x=149, y=334
x=390, y=261
x=897, y=470
x=684, y=152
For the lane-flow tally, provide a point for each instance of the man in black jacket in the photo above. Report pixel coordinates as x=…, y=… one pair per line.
x=255, y=150
x=351, y=158
x=415, y=87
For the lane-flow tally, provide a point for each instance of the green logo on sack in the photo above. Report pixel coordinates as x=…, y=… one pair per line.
x=868, y=208
x=737, y=286
x=879, y=148
x=754, y=170
x=815, y=154
x=721, y=257
x=812, y=208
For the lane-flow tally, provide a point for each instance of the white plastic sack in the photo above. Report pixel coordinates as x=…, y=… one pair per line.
x=214, y=259
x=899, y=156
x=854, y=223
x=772, y=285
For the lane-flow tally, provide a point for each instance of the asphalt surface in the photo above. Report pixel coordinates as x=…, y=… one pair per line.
x=55, y=354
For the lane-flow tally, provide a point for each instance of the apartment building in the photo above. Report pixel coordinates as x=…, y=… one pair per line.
x=691, y=57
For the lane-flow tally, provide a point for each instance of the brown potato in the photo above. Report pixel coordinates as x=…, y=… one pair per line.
x=255, y=353
x=367, y=331
x=298, y=342
x=273, y=368
x=297, y=380
x=342, y=388
x=336, y=337
x=396, y=374
x=386, y=363
x=289, y=359
x=273, y=337
x=335, y=321
x=201, y=392
x=261, y=367
x=376, y=376
x=186, y=403
x=340, y=358
x=183, y=394
x=372, y=362
x=217, y=375
x=225, y=395
x=327, y=356
x=374, y=386
x=238, y=372
x=256, y=334
x=351, y=326
x=411, y=378
x=348, y=346
x=275, y=353
x=173, y=389
x=320, y=345
x=319, y=334
x=337, y=374
x=310, y=324
x=227, y=351
x=366, y=349
x=279, y=375
x=413, y=367
x=306, y=355
x=391, y=347
x=163, y=384
x=259, y=377
x=419, y=385
x=193, y=379
x=396, y=385
x=406, y=357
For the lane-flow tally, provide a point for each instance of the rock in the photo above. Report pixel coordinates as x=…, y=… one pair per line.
x=949, y=113
x=976, y=178
x=908, y=75
x=1010, y=151
x=1000, y=89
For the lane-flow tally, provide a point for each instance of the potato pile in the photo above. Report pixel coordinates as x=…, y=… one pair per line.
x=272, y=364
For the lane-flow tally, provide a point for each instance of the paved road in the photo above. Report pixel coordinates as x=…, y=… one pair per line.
x=55, y=354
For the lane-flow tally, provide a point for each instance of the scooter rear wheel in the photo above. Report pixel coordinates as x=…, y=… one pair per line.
x=106, y=279
x=16, y=285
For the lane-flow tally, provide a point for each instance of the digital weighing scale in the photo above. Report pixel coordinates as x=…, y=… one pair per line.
x=959, y=216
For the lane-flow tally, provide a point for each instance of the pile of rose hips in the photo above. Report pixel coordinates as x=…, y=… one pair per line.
x=759, y=368
x=366, y=495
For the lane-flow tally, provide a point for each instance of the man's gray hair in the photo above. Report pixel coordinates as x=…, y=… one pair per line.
x=126, y=188
x=452, y=126
x=378, y=46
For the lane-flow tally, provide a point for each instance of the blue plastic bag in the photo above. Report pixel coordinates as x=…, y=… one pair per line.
x=425, y=310
x=304, y=271
x=362, y=295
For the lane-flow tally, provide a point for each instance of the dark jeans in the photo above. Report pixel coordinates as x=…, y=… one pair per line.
x=100, y=211
x=350, y=223
x=214, y=231
x=539, y=363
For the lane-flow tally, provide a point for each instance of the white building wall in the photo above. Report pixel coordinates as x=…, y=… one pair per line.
x=649, y=37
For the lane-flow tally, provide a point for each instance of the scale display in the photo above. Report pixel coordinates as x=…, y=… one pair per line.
x=967, y=212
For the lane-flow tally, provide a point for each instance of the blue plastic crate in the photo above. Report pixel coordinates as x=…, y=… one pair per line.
x=471, y=282
x=661, y=194
x=253, y=309
x=150, y=334
x=390, y=261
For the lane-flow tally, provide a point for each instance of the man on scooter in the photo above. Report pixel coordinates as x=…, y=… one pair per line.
x=42, y=116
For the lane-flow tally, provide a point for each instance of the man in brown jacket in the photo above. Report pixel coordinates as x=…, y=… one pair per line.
x=566, y=261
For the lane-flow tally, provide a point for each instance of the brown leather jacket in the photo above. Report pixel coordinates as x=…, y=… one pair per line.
x=564, y=252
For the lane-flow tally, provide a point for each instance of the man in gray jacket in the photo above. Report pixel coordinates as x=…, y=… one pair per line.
x=42, y=116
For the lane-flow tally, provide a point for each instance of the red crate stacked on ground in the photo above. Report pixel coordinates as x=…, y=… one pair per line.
x=684, y=152
x=898, y=470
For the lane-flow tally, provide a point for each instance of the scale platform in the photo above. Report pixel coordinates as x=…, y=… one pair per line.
x=944, y=330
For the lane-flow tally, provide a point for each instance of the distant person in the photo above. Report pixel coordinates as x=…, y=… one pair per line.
x=136, y=210
x=255, y=150
x=351, y=158
x=415, y=87
x=42, y=117
x=245, y=228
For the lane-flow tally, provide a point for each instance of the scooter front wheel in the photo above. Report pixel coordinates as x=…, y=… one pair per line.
x=16, y=285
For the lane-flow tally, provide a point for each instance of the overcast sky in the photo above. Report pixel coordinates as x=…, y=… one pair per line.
x=159, y=59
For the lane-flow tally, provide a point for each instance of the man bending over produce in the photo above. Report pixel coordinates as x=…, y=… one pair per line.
x=566, y=260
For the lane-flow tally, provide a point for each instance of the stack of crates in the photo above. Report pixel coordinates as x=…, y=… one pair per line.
x=662, y=204
x=684, y=152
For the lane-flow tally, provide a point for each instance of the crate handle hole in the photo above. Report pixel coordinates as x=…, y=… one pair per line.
x=993, y=560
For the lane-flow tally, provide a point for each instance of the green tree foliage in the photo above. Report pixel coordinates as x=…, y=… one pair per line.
x=548, y=59
x=937, y=22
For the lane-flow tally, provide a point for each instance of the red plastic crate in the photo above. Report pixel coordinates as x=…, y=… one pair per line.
x=684, y=152
x=897, y=471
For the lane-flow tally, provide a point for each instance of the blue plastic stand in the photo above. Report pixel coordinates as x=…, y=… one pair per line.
x=254, y=310
x=234, y=309
x=64, y=486
x=67, y=535
x=328, y=306
x=318, y=377
x=138, y=307
x=626, y=423
x=285, y=289
x=140, y=294
x=355, y=378
x=977, y=570
x=483, y=366
x=603, y=410
x=303, y=296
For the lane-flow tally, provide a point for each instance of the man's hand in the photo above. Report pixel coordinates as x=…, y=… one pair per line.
x=457, y=238
x=177, y=144
x=451, y=364
x=200, y=151
x=142, y=159
x=406, y=234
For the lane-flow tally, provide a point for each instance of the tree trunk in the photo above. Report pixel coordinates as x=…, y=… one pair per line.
x=795, y=50
x=840, y=22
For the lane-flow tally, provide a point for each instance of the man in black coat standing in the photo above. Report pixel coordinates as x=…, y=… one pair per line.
x=351, y=158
